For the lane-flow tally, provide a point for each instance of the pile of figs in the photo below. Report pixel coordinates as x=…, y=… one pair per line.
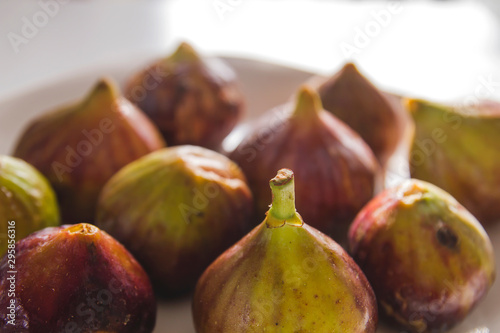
x=113, y=201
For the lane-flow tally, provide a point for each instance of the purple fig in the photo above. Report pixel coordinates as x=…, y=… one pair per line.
x=74, y=279
x=428, y=259
x=192, y=100
x=335, y=171
x=371, y=113
x=78, y=148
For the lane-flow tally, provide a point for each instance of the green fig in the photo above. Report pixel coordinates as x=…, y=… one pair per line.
x=79, y=147
x=335, y=171
x=176, y=210
x=284, y=276
x=27, y=202
x=427, y=258
x=74, y=278
x=371, y=113
x=456, y=149
x=193, y=100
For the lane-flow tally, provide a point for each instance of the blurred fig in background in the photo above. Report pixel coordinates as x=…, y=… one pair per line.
x=192, y=100
x=176, y=210
x=75, y=279
x=284, y=276
x=27, y=202
x=458, y=149
x=371, y=113
x=335, y=171
x=427, y=258
x=79, y=147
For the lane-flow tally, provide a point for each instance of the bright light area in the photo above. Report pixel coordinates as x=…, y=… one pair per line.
x=438, y=51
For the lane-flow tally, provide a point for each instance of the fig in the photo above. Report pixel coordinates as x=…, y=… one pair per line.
x=193, y=100
x=455, y=149
x=74, y=278
x=284, y=276
x=27, y=201
x=79, y=147
x=176, y=210
x=356, y=101
x=335, y=171
x=427, y=258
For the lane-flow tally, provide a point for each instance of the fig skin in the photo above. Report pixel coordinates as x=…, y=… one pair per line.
x=176, y=210
x=192, y=100
x=26, y=199
x=456, y=149
x=335, y=171
x=427, y=258
x=284, y=276
x=371, y=113
x=79, y=147
x=76, y=278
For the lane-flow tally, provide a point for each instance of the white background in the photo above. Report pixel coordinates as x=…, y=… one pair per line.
x=433, y=50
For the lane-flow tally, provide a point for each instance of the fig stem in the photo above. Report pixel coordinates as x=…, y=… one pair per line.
x=185, y=52
x=308, y=102
x=105, y=92
x=82, y=228
x=412, y=106
x=282, y=209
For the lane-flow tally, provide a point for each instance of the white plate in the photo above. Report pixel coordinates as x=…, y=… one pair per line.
x=265, y=85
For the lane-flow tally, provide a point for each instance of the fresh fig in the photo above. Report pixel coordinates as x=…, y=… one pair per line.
x=176, y=210
x=27, y=202
x=191, y=99
x=371, y=113
x=427, y=258
x=284, y=276
x=78, y=148
x=74, y=279
x=335, y=171
x=456, y=150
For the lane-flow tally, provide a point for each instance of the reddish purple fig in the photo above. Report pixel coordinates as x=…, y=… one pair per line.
x=79, y=147
x=74, y=279
x=191, y=99
x=371, y=113
x=335, y=171
x=428, y=259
